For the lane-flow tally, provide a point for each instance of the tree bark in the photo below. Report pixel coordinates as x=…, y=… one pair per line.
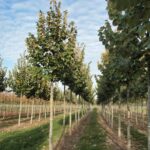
x=31, y=120
x=51, y=118
x=70, y=114
x=76, y=109
x=142, y=110
x=28, y=107
x=129, y=123
x=45, y=111
x=79, y=110
x=20, y=110
x=119, y=115
x=40, y=111
x=136, y=113
x=54, y=108
x=112, y=115
x=148, y=105
x=64, y=119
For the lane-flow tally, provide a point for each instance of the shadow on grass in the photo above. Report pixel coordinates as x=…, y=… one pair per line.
x=32, y=139
x=25, y=140
x=139, y=138
x=67, y=120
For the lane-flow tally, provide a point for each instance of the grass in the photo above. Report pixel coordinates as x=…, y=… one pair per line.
x=93, y=137
x=33, y=138
x=138, y=138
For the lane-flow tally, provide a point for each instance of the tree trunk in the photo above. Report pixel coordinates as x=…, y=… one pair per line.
x=141, y=103
x=20, y=110
x=79, y=110
x=119, y=116
x=28, y=107
x=79, y=113
x=129, y=123
x=54, y=109
x=70, y=114
x=148, y=114
x=112, y=115
x=45, y=111
x=76, y=110
x=51, y=118
x=136, y=113
x=142, y=109
x=40, y=111
x=31, y=120
x=64, y=119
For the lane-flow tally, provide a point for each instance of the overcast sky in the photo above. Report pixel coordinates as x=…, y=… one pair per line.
x=19, y=17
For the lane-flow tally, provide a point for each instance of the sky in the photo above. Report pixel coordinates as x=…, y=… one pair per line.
x=19, y=17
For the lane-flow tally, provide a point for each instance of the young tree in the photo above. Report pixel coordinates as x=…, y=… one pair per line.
x=2, y=76
x=17, y=81
x=45, y=49
x=129, y=45
x=125, y=15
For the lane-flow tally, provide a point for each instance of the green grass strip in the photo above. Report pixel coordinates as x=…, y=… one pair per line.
x=139, y=138
x=94, y=137
x=34, y=138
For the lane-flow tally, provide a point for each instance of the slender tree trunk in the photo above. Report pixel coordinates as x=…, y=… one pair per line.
x=79, y=110
x=79, y=115
x=20, y=111
x=70, y=114
x=75, y=112
x=142, y=108
x=136, y=111
x=45, y=111
x=28, y=106
x=148, y=114
x=141, y=111
x=124, y=112
x=31, y=120
x=129, y=123
x=119, y=115
x=54, y=108
x=51, y=118
x=64, y=119
x=34, y=109
x=4, y=109
x=40, y=111
x=82, y=109
x=131, y=111
x=112, y=115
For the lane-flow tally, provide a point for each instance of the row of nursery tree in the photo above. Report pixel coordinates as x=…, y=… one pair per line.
x=125, y=65
x=53, y=55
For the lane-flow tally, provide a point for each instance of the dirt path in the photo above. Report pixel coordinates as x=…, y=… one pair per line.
x=85, y=137
x=68, y=142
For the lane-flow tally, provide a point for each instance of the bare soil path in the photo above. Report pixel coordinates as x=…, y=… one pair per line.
x=92, y=133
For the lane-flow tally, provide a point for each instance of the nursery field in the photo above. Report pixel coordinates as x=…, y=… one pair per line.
x=75, y=75
x=94, y=127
